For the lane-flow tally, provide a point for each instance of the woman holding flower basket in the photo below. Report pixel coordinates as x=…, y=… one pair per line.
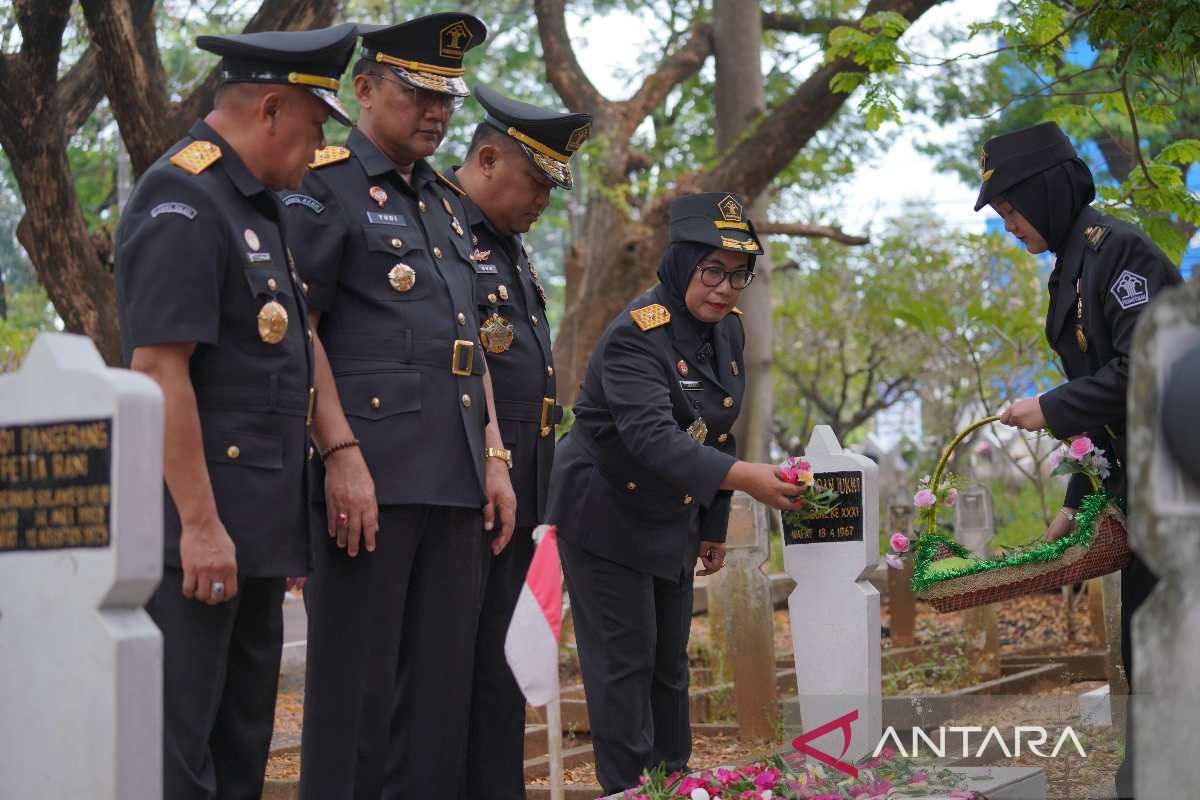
x=642, y=484
x=1105, y=273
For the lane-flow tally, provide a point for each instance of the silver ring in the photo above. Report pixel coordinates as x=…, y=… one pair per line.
x=218, y=587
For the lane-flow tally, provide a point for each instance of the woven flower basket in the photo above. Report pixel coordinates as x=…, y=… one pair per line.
x=1097, y=547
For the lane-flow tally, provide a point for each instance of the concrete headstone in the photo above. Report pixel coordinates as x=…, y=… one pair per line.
x=80, y=553
x=834, y=609
x=902, y=605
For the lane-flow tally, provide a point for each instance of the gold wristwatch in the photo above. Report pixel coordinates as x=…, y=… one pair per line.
x=500, y=453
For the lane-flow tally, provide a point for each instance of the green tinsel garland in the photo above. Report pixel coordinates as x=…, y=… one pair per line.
x=1090, y=510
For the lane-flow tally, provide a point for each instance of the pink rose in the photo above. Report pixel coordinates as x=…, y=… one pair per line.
x=894, y=561
x=789, y=474
x=951, y=497
x=1080, y=447
x=899, y=542
x=1056, y=458
x=924, y=499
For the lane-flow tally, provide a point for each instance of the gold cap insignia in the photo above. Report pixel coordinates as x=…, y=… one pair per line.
x=730, y=208
x=329, y=155
x=984, y=172
x=749, y=246
x=272, y=323
x=651, y=317
x=455, y=39
x=197, y=157
x=578, y=137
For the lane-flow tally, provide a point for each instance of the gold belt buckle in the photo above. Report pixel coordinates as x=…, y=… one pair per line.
x=312, y=404
x=547, y=406
x=456, y=361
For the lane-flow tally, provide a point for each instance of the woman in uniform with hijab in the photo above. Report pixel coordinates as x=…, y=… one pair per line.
x=642, y=484
x=1105, y=273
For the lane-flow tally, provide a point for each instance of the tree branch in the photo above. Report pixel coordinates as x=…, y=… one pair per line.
x=78, y=93
x=562, y=67
x=671, y=71
x=799, y=23
x=811, y=231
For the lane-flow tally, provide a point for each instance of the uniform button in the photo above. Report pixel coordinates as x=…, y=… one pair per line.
x=437, y=252
x=534, y=318
x=631, y=486
x=687, y=499
x=727, y=402
x=421, y=205
x=376, y=402
x=492, y=299
x=233, y=452
x=723, y=438
x=311, y=452
x=271, y=284
x=304, y=286
x=550, y=371
x=462, y=318
x=309, y=332
x=397, y=243
x=502, y=290
x=466, y=401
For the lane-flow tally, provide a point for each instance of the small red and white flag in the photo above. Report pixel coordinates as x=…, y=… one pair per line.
x=531, y=645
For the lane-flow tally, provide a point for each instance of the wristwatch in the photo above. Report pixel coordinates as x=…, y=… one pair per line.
x=1070, y=515
x=500, y=453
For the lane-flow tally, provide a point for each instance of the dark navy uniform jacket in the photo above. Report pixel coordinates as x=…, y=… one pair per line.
x=1118, y=271
x=389, y=266
x=630, y=483
x=198, y=258
x=507, y=284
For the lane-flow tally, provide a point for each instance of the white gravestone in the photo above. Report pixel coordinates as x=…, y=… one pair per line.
x=834, y=609
x=974, y=522
x=80, y=553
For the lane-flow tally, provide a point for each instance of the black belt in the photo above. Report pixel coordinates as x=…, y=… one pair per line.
x=269, y=398
x=545, y=413
x=456, y=355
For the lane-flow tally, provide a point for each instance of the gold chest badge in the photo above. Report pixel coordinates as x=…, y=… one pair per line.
x=496, y=334
x=698, y=430
x=402, y=277
x=272, y=323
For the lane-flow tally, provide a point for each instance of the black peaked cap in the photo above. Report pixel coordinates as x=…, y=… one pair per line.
x=714, y=218
x=313, y=59
x=548, y=138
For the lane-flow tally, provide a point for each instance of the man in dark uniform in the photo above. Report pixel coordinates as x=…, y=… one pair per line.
x=1105, y=274
x=518, y=154
x=382, y=243
x=212, y=309
x=643, y=482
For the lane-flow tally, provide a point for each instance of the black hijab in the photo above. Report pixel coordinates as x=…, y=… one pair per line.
x=1051, y=200
x=675, y=273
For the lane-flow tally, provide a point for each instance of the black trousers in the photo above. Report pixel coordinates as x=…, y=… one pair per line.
x=632, y=630
x=220, y=678
x=496, y=750
x=391, y=640
x=1137, y=582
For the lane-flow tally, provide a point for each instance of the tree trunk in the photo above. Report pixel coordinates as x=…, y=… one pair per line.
x=737, y=41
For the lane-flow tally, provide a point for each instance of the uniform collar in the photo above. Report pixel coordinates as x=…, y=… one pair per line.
x=475, y=215
x=1067, y=270
x=231, y=162
x=375, y=163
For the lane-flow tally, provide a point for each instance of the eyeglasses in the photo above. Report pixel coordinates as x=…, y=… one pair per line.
x=712, y=277
x=424, y=98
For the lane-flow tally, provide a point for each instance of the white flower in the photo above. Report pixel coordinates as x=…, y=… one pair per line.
x=767, y=794
x=700, y=793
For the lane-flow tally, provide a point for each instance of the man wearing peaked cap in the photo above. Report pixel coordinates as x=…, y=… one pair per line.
x=508, y=178
x=1105, y=274
x=212, y=309
x=391, y=631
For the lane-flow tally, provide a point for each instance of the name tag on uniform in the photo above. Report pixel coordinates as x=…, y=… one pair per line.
x=691, y=386
x=485, y=269
x=311, y=203
x=258, y=256
x=380, y=218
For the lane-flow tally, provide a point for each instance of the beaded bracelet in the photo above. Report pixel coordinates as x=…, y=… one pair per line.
x=339, y=446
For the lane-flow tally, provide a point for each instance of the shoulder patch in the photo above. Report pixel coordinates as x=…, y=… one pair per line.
x=311, y=203
x=450, y=185
x=737, y=311
x=329, y=155
x=197, y=157
x=1095, y=235
x=182, y=209
x=1130, y=290
x=650, y=317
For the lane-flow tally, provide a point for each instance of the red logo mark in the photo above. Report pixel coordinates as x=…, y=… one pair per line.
x=801, y=743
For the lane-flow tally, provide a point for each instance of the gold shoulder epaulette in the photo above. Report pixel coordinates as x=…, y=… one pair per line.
x=651, y=317
x=458, y=190
x=737, y=311
x=1095, y=235
x=329, y=155
x=197, y=157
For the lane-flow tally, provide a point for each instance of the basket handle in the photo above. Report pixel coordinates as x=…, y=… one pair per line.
x=949, y=451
